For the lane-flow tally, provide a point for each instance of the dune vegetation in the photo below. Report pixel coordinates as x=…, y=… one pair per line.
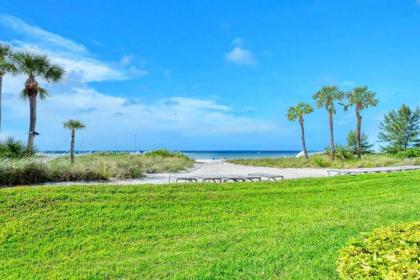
x=99, y=166
x=324, y=161
x=292, y=229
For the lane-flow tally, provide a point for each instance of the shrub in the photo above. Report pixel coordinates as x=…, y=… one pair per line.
x=100, y=166
x=409, y=153
x=30, y=171
x=165, y=153
x=341, y=152
x=22, y=172
x=365, y=146
x=11, y=148
x=321, y=162
x=387, y=253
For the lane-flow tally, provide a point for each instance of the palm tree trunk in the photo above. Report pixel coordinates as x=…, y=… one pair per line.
x=358, y=134
x=1, y=88
x=303, y=137
x=72, y=146
x=32, y=122
x=330, y=114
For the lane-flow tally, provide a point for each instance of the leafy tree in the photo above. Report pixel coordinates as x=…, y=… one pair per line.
x=400, y=129
x=296, y=113
x=6, y=66
x=73, y=125
x=360, y=98
x=35, y=66
x=326, y=98
x=352, y=145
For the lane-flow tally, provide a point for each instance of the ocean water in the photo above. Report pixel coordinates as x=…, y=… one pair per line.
x=239, y=154
x=203, y=154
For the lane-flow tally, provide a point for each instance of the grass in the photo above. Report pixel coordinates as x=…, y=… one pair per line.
x=127, y=166
x=292, y=229
x=323, y=161
x=100, y=166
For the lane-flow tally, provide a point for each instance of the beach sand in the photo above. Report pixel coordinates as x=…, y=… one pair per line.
x=213, y=167
x=220, y=167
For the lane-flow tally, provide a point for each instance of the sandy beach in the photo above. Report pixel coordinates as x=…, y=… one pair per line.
x=221, y=168
x=209, y=167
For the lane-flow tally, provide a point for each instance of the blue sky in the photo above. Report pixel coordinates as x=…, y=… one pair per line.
x=206, y=75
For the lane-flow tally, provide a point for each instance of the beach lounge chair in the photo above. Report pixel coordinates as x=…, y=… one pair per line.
x=252, y=178
x=187, y=179
x=334, y=172
x=211, y=179
x=268, y=177
x=234, y=178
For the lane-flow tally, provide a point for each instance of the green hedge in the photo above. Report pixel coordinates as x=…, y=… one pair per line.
x=409, y=153
x=24, y=172
x=11, y=148
x=386, y=253
x=166, y=154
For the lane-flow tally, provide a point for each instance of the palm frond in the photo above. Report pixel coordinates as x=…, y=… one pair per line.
x=4, y=50
x=54, y=73
x=24, y=94
x=327, y=96
x=32, y=64
x=6, y=64
x=299, y=111
x=361, y=98
x=43, y=93
x=74, y=124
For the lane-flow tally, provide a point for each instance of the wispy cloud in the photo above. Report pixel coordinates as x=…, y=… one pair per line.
x=238, y=41
x=74, y=57
x=42, y=36
x=239, y=55
x=111, y=116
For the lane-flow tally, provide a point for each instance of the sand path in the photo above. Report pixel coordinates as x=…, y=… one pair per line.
x=223, y=168
x=220, y=168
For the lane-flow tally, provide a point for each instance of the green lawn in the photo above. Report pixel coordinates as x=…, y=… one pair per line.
x=286, y=230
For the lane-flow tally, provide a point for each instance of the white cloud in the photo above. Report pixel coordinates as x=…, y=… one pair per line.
x=42, y=36
x=240, y=56
x=238, y=41
x=87, y=69
x=73, y=57
x=136, y=72
x=111, y=118
x=126, y=59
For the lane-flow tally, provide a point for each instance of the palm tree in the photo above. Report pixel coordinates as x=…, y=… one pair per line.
x=361, y=98
x=35, y=66
x=73, y=125
x=6, y=66
x=296, y=113
x=326, y=98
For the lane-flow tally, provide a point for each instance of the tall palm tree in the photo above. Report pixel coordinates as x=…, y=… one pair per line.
x=326, y=98
x=361, y=98
x=296, y=113
x=35, y=66
x=73, y=125
x=6, y=66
